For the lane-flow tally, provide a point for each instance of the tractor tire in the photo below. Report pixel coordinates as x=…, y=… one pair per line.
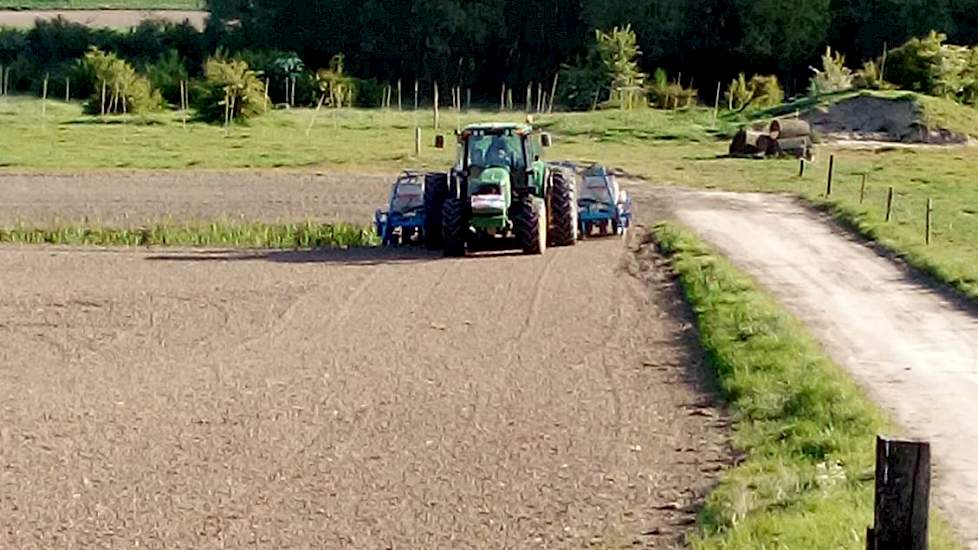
x=563, y=210
x=435, y=193
x=453, y=228
x=530, y=224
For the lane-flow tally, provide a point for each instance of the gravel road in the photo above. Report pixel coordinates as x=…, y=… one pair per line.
x=913, y=350
x=362, y=399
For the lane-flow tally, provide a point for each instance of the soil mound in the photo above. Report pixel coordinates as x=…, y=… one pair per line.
x=867, y=118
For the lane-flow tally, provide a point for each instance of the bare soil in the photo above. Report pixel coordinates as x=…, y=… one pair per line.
x=914, y=350
x=360, y=399
x=875, y=119
x=134, y=198
x=117, y=19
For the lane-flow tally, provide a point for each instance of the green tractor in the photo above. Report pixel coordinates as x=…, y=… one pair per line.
x=500, y=188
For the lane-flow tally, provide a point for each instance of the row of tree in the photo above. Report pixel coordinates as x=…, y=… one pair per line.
x=483, y=43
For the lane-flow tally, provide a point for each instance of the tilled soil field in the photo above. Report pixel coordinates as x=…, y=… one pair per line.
x=359, y=399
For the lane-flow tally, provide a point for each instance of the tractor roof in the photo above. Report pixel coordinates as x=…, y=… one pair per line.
x=499, y=127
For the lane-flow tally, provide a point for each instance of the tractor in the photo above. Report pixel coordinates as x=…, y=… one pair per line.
x=501, y=188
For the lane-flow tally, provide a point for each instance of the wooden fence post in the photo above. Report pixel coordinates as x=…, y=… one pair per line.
x=801, y=168
x=509, y=99
x=828, y=185
x=3, y=81
x=44, y=97
x=468, y=99
x=889, y=205
x=399, y=105
x=928, y=224
x=862, y=190
x=502, y=98
x=417, y=141
x=415, y=95
x=902, y=496
x=553, y=93
x=435, y=106
x=529, y=97
x=716, y=106
x=67, y=89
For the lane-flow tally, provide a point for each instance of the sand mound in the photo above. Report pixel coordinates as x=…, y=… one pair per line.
x=867, y=118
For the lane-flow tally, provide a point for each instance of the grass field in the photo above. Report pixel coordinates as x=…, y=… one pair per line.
x=102, y=4
x=806, y=431
x=670, y=148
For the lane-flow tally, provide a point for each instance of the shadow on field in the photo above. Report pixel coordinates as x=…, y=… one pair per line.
x=352, y=256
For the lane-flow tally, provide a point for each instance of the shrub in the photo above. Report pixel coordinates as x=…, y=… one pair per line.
x=231, y=90
x=760, y=91
x=125, y=91
x=834, y=76
x=869, y=77
x=663, y=94
x=609, y=71
x=166, y=75
x=341, y=89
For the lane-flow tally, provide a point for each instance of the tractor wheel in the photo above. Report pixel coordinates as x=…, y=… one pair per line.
x=529, y=221
x=453, y=228
x=563, y=211
x=435, y=193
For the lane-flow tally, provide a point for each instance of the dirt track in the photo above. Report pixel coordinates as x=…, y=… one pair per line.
x=101, y=18
x=912, y=349
x=348, y=399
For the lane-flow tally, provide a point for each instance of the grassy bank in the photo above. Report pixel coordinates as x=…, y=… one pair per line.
x=664, y=147
x=306, y=235
x=807, y=433
x=102, y=4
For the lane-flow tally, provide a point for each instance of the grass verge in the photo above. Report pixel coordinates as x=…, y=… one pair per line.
x=306, y=235
x=806, y=431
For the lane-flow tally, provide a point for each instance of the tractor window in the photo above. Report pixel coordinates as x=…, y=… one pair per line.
x=503, y=150
x=407, y=197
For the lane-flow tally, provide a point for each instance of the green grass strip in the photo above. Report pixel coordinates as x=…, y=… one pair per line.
x=806, y=432
x=305, y=235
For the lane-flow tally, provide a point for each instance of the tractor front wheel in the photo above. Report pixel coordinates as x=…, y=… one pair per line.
x=453, y=228
x=563, y=210
x=530, y=224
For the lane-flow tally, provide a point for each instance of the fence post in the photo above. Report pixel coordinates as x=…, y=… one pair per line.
x=930, y=212
x=502, y=98
x=889, y=205
x=902, y=496
x=553, y=93
x=716, y=106
x=415, y=95
x=801, y=168
x=44, y=97
x=399, y=104
x=828, y=186
x=435, y=105
x=67, y=89
x=417, y=141
x=862, y=190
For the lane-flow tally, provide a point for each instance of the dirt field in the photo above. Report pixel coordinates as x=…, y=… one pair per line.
x=133, y=198
x=913, y=349
x=371, y=399
x=101, y=18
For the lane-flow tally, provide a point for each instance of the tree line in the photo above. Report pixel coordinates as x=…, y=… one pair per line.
x=481, y=44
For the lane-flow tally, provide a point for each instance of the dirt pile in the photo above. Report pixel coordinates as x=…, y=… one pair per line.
x=867, y=118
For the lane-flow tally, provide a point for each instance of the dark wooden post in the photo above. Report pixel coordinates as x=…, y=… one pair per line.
x=828, y=186
x=902, y=495
x=862, y=190
x=930, y=214
x=889, y=204
x=801, y=168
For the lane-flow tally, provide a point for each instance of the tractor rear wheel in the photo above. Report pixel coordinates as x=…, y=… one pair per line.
x=453, y=228
x=435, y=193
x=530, y=224
x=563, y=210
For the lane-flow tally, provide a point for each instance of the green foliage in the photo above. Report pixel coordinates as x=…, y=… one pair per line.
x=833, y=77
x=609, y=74
x=117, y=87
x=339, y=88
x=219, y=233
x=230, y=91
x=663, y=94
x=930, y=66
x=759, y=92
x=869, y=77
x=166, y=75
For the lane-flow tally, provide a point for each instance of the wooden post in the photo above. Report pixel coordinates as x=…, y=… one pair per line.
x=509, y=99
x=801, y=168
x=292, y=96
x=883, y=63
x=716, y=106
x=862, y=190
x=44, y=96
x=468, y=99
x=930, y=213
x=268, y=85
x=417, y=142
x=415, y=95
x=828, y=186
x=553, y=93
x=529, y=97
x=183, y=102
x=3, y=81
x=502, y=98
x=67, y=89
x=103, y=98
x=889, y=205
x=312, y=121
x=539, y=96
x=902, y=499
x=435, y=106
x=399, y=105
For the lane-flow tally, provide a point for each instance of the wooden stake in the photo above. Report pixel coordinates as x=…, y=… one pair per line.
x=539, y=96
x=543, y=106
x=417, y=142
x=801, y=168
x=883, y=63
x=322, y=99
x=183, y=102
x=889, y=205
x=862, y=190
x=399, y=106
x=828, y=186
x=103, y=99
x=44, y=96
x=268, y=86
x=509, y=99
x=435, y=105
x=67, y=89
x=468, y=99
x=930, y=213
x=286, y=90
x=292, y=97
x=415, y=95
x=716, y=106
x=529, y=97
x=902, y=497
x=553, y=93
x=502, y=98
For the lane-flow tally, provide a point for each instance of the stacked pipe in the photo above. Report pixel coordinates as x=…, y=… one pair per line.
x=782, y=138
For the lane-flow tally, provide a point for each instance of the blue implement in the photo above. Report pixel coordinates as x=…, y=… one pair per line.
x=403, y=222
x=602, y=205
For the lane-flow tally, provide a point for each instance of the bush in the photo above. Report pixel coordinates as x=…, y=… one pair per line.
x=663, y=94
x=834, y=76
x=869, y=77
x=166, y=75
x=231, y=90
x=760, y=91
x=929, y=66
x=125, y=91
